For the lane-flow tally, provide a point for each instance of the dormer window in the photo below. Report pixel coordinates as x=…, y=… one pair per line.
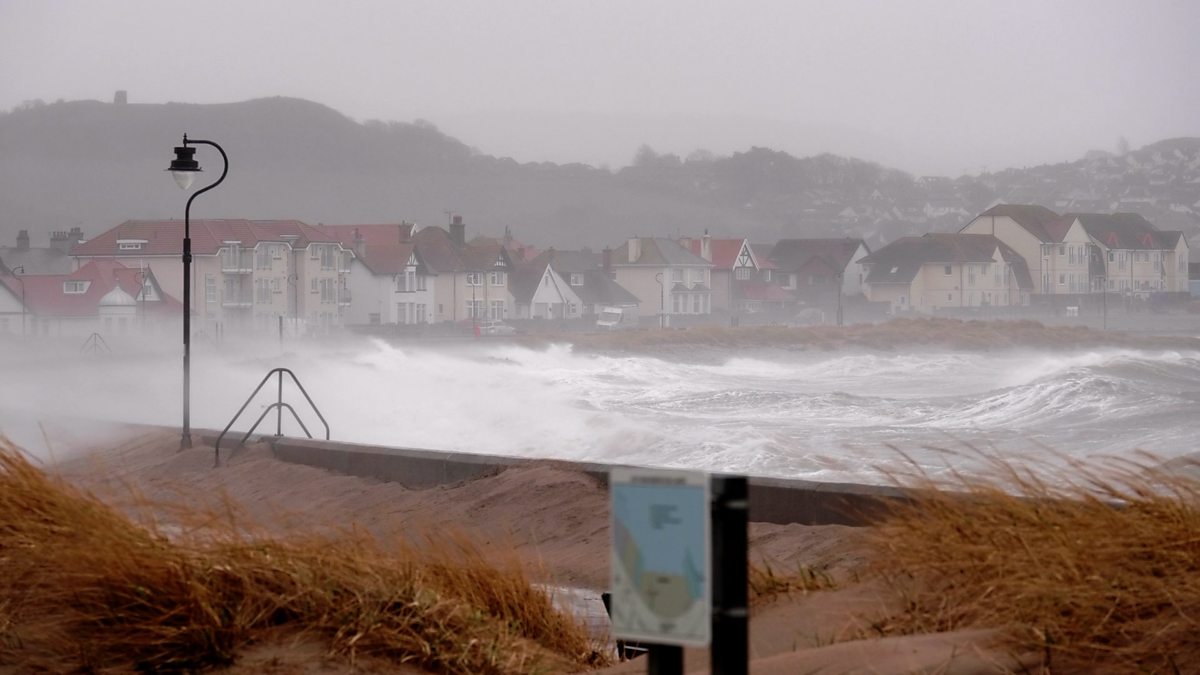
x=576, y=279
x=75, y=287
x=130, y=246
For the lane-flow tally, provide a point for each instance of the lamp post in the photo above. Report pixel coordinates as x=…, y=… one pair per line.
x=840, y=281
x=661, y=294
x=21, y=268
x=183, y=169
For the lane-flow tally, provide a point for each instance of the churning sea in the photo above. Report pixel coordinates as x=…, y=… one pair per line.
x=829, y=416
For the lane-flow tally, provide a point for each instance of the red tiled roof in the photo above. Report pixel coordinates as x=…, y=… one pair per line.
x=724, y=251
x=165, y=237
x=44, y=294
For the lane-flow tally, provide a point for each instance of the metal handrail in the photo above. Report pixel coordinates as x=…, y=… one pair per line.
x=278, y=406
x=93, y=344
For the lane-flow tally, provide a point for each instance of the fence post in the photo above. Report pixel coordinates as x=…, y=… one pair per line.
x=730, y=651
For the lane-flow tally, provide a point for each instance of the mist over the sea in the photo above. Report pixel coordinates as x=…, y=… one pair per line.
x=831, y=416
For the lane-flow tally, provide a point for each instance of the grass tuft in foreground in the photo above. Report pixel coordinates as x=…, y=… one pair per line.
x=1104, y=572
x=85, y=588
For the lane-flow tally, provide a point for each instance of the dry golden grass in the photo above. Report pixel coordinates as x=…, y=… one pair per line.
x=767, y=583
x=86, y=588
x=1102, y=574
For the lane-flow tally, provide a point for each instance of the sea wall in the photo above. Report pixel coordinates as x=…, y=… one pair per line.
x=772, y=500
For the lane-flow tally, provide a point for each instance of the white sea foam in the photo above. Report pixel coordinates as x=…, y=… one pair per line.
x=828, y=416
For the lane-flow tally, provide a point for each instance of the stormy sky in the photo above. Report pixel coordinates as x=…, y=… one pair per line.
x=928, y=86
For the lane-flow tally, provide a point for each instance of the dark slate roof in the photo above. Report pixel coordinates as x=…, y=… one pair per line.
x=1032, y=217
x=438, y=251
x=523, y=282
x=899, y=261
x=658, y=251
x=1124, y=231
x=793, y=254
x=570, y=261
x=600, y=289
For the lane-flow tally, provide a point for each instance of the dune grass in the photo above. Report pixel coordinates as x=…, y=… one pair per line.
x=1101, y=573
x=87, y=588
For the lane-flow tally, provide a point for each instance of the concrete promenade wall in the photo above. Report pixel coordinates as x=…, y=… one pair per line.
x=772, y=500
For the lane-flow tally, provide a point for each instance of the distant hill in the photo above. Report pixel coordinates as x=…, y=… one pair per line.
x=95, y=164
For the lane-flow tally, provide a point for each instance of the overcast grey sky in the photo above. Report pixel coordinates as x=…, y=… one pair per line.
x=929, y=86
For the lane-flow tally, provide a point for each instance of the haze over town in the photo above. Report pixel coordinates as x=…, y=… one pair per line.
x=930, y=87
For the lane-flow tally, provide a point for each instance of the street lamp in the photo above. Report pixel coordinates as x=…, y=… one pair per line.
x=21, y=269
x=662, y=292
x=840, y=281
x=183, y=169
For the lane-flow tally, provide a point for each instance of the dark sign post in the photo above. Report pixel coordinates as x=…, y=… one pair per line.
x=730, y=650
x=679, y=563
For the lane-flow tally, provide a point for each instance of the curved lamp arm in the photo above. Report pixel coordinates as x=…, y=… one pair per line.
x=224, y=172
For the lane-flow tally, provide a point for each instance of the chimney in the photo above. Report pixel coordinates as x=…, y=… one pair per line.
x=23, y=240
x=360, y=245
x=458, y=231
x=706, y=247
x=74, y=237
x=608, y=261
x=59, y=241
x=635, y=249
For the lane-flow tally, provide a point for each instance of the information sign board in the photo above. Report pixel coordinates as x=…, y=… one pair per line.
x=661, y=565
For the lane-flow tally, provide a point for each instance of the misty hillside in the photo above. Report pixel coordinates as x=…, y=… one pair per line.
x=95, y=164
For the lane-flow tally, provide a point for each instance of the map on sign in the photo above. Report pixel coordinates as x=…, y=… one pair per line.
x=660, y=556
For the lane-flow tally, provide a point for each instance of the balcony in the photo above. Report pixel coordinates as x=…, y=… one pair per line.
x=237, y=299
x=238, y=262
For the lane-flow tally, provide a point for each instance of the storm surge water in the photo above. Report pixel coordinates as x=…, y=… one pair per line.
x=834, y=416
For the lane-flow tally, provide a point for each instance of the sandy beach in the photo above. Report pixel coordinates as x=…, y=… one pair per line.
x=556, y=521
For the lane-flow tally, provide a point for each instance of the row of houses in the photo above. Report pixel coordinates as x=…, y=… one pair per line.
x=248, y=275
x=1017, y=255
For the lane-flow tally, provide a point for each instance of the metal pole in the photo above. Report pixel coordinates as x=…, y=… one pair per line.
x=186, y=438
x=664, y=660
x=730, y=651
x=279, y=410
x=14, y=271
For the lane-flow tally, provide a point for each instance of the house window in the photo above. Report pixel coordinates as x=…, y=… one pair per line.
x=262, y=292
x=129, y=246
x=474, y=309
x=766, y=275
x=677, y=275
x=420, y=318
x=474, y=278
x=791, y=281
x=327, y=291
x=696, y=302
x=1111, y=256
x=75, y=287
x=421, y=282
x=497, y=278
x=741, y=273
x=576, y=279
x=497, y=310
x=946, y=270
x=1062, y=250
x=1062, y=279
x=677, y=303
x=210, y=288
x=410, y=280
x=401, y=312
